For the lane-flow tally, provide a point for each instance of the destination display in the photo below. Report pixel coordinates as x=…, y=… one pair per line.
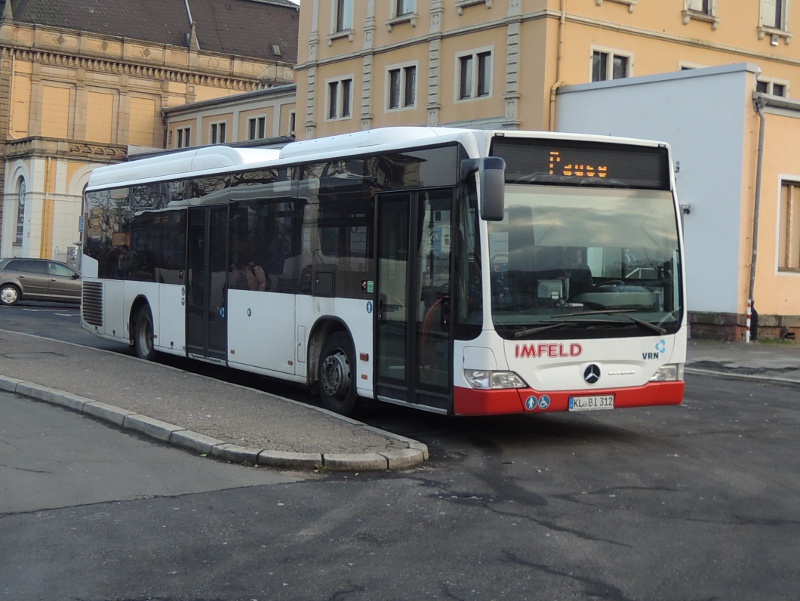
x=583, y=163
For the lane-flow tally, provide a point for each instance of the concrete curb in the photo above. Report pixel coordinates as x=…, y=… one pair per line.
x=729, y=374
x=180, y=437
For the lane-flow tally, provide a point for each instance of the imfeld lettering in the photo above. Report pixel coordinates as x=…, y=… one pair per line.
x=524, y=351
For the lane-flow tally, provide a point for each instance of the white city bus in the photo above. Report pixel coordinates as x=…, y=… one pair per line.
x=458, y=271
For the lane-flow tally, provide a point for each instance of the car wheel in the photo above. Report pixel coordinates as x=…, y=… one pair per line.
x=336, y=375
x=143, y=334
x=9, y=294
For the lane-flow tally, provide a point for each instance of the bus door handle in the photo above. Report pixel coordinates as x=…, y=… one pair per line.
x=381, y=307
x=445, y=312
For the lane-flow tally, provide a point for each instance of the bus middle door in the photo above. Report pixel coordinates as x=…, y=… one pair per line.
x=414, y=344
x=206, y=319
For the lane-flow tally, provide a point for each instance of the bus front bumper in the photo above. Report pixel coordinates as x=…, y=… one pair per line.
x=468, y=401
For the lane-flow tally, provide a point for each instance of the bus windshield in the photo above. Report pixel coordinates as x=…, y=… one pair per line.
x=590, y=262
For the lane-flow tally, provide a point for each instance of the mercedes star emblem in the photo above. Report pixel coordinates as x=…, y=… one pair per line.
x=591, y=374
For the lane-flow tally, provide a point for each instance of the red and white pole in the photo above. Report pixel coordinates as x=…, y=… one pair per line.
x=749, y=316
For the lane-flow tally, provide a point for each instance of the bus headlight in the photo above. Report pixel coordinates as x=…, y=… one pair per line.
x=492, y=380
x=672, y=372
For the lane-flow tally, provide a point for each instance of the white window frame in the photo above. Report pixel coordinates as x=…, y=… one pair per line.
x=611, y=53
x=409, y=8
x=183, y=137
x=403, y=72
x=342, y=110
x=771, y=83
x=462, y=4
x=709, y=15
x=218, y=132
x=779, y=30
x=22, y=192
x=631, y=3
x=342, y=27
x=396, y=17
x=257, y=127
x=764, y=8
x=788, y=245
x=473, y=95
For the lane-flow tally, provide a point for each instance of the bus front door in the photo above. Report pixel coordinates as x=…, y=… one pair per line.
x=206, y=319
x=413, y=332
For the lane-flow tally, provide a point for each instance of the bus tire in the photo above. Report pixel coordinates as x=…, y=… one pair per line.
x=143, y=334
x=336, y=375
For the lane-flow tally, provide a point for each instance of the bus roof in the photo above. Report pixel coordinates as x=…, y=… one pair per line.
x=219, y=158
x=176, y=164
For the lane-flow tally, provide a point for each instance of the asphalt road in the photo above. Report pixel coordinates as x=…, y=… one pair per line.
x=692, y=502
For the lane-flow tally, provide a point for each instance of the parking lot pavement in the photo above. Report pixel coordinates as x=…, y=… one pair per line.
x=243, y=425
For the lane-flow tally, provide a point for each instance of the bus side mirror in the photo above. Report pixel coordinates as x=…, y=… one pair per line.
x=491, y=175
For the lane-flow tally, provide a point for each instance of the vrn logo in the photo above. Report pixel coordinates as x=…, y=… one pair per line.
x=661, y=347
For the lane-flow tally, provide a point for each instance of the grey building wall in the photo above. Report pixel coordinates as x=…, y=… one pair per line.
x=702, y=114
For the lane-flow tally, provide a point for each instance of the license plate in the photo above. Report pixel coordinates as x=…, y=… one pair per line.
x=591, y=403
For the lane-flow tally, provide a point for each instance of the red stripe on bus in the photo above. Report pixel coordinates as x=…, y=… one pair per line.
x=468, y=401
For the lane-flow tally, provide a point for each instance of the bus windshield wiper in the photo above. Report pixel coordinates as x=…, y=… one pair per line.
x=549, y=326
x=561, y=323
x=623, y=312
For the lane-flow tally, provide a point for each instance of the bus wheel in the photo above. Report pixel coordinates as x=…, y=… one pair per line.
x=143, y=334
x=335, y=375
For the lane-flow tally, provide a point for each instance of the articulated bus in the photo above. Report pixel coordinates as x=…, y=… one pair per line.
x=464, y=272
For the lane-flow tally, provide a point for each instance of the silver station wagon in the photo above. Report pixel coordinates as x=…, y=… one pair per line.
x=38, y=279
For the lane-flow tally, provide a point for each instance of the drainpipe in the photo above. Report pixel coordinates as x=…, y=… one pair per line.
x=562, y=24
x=758, y=102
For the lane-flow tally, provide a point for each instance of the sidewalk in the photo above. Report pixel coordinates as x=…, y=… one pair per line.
x=774, y=361
x=243, y=425
x=201, y=414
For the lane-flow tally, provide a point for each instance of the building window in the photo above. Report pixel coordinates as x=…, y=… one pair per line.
x=340, y=99
x=292, y=123
x=257, y=128
x=701, y=10
x=609, y=65
x=402, y=11
x=404, y=7
x=700, y=6
x=22, y=189
x=773, y=14
x=402, y=87
x=773, y=88
x=343, y=15
x=183, y=137
x=218, y=131
x=789, y=244
x=475, y=75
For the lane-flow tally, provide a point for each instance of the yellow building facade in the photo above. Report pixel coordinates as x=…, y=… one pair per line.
x=72, y=100
x=498, y=63
x=263, y=117
x=502, y=64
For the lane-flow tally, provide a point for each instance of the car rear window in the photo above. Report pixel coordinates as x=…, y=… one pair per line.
x=13, y=266
x=34, y=266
